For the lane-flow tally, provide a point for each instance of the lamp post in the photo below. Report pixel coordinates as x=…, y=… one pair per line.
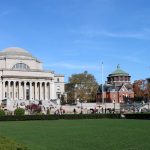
x=2, y=83
x=114, y=104
x=81, y=107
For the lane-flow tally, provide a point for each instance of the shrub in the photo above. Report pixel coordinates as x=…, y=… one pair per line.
x=145, y=116
x=57, y=117
x=2, y=112
x=19, y=111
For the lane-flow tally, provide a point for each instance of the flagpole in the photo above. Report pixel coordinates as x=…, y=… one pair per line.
x=103, y=100
x=102, y=85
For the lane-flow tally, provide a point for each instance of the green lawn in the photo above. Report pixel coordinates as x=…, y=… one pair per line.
x=93, y=134
x=7, y=144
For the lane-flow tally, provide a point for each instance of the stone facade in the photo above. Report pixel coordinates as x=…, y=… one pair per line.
x=117, y=89
x=23, y=77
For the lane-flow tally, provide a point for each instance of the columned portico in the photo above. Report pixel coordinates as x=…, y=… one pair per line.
x=22, y=77
x=27, y=90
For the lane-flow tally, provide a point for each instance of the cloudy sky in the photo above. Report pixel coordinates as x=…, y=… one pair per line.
x=71, y=36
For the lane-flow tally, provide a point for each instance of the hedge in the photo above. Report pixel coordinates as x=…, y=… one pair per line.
x=56, y=117
x=145, y=116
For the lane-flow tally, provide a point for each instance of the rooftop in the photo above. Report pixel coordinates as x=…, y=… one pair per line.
x=16, y=52
x=119, y=72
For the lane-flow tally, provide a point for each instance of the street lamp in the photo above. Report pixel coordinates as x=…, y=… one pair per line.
x=148, y=105
x=81, y=107
x=2, y=83
x=114, y=104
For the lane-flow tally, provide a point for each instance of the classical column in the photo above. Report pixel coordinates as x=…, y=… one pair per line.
x=8, y=90
x=49, y=90
x=52, y=90
x=14, y=86
x=40, y=90
x=35, y=90
x=30, y=91
x=3, y=89
x=45, y=90
x=24, y=90
x=19, y=87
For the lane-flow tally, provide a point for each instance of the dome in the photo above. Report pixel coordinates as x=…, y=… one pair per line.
x=15, y=52
x=119, y=72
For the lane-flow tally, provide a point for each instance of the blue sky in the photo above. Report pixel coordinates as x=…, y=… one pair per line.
x=71, y=36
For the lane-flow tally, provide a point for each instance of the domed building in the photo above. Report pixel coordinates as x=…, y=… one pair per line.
x=118, y=88
x=23, y=77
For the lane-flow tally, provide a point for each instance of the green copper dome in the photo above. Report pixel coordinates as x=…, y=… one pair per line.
x=119, y=72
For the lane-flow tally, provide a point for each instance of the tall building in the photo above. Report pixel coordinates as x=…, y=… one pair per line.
x=117, y=88
x=22, y=77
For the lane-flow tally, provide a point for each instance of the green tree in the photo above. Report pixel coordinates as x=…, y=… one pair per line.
x=2, y=112
x=19, y=112
x=82, y=86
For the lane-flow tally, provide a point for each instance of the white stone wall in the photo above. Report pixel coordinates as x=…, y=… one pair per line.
x=9, y=63
x=59, y=85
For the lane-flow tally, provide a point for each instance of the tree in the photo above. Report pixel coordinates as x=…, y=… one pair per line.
x=34, y=108
x=82, y=86
x=140, y=90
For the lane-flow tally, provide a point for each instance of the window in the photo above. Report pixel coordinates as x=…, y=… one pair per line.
x=20, y=66
x=58, y=95
x=57, y=79
x=58, y=87
x=5, y=94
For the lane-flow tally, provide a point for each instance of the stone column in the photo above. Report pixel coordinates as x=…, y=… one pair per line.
x=19, y=93
x=49, y=90
x=40, y=90
x=52, y=90
x=3, y=90
x=8, y=90
x=45, y=91
x=30, y=91
x=25, y=90
x=35, y=90
x=14, y=87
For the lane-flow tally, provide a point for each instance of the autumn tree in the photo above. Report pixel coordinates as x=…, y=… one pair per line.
x=140, y=90
x=82, y=86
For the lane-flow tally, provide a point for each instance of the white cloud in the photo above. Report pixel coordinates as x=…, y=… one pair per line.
x=143, y=34
x=74, y=66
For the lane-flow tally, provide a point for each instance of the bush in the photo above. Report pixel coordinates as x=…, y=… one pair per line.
x=145, y=116
x=2, y=112
x=19, y=112
x=57, y=117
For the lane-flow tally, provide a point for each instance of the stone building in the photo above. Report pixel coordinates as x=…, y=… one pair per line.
x=117, y=88
x=22, y=77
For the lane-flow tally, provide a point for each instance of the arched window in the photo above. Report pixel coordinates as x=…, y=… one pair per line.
x=20, y=66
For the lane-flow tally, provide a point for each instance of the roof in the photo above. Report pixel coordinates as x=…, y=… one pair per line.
x=113, y=88
x=16, y=52
x=119, y=72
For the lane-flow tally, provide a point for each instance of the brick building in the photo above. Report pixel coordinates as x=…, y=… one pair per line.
x=117, y=88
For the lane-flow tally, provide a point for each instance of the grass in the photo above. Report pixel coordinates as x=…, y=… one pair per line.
x=103, y=134
x=7, y=144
